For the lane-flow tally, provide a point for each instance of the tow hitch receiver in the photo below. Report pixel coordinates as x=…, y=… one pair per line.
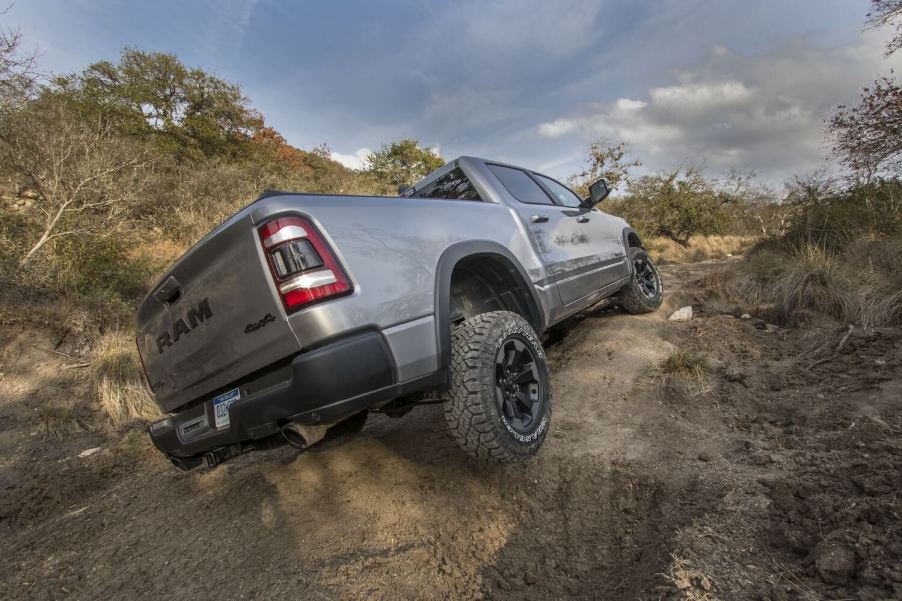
x=222, y=454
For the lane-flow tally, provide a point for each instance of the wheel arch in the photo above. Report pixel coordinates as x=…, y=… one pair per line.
x=450, y=259
x=631, y=239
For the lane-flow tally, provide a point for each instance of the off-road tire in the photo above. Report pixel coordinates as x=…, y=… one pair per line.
x=633, y=298
x=473, y=407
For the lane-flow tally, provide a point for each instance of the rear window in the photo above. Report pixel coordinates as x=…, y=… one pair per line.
x=452, y=185
x=521, y=186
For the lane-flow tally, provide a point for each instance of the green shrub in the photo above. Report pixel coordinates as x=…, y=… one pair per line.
x=76, y=275
x=97, y=266
x=14, y=228
x=677, y=205
x=833, y=220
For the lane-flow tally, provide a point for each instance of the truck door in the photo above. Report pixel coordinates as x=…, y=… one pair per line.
x=559, y=236
x=605, y=234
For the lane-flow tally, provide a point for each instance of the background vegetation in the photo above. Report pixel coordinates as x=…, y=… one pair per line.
x=110, y=173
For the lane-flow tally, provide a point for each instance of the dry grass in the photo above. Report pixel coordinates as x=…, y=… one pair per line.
x=686, y=364
x=136, y=445
x=692, y=584
x=861, y=284
x=119, y=380
x=701, y=248
x=163, y=252
x=58, y=419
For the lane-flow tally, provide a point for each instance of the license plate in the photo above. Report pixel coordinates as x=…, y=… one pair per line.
x=221, y=406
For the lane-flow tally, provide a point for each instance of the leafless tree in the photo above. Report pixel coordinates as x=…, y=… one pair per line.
x=17, y=69
x=867, y=138
x=887, y=12
x=81, y=176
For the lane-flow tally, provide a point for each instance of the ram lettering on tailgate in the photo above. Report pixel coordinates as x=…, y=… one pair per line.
x=196, y=316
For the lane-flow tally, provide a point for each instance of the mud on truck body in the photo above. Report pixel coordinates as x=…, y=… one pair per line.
x=303, y=312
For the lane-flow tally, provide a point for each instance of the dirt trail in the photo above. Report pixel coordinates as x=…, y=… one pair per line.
x=760, y=482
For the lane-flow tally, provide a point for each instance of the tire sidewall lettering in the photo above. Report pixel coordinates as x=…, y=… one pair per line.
x=526, y=438
x=528, y=336
x=543, y=424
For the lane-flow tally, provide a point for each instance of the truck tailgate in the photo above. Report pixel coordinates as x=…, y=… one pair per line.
x=213, y=318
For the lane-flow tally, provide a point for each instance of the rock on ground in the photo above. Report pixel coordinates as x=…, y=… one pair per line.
x=682, y=314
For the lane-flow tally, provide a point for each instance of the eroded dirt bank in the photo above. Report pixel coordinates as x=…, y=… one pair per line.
x=769, y=479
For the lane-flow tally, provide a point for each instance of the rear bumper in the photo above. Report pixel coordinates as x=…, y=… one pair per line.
x=317, y=386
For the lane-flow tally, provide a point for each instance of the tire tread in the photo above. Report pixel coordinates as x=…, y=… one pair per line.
x=470, y=410
x=630, y=298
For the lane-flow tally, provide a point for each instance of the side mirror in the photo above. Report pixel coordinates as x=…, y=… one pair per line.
x=598, y=192
x=403, y=190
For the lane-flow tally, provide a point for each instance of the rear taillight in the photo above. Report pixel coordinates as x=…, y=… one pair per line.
x=302, y=264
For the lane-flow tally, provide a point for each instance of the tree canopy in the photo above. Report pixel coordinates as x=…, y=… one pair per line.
x=605, y=159
x=187, y=111
x=402, y=163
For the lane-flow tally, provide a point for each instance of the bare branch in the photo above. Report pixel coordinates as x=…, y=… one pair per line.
x=883, y=13
x=868, y=138
x=85, y=176
x=18, y=73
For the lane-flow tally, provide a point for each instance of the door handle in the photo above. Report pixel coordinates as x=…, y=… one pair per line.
x=582, y=219
x=538, y=218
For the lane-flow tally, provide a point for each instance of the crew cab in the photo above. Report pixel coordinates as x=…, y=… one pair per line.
x=303, y=312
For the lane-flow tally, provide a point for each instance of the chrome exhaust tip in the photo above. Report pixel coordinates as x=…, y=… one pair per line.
x=300, y=436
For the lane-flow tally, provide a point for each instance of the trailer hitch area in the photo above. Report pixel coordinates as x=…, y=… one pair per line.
x=223, y=454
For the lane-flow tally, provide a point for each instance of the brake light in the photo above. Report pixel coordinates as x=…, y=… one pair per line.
x=303, y=266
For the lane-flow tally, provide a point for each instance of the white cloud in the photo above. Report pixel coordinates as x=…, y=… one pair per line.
x=628, y=105
x=352, y=161
x=763, y=113
x=699, y=97
x=557, y=128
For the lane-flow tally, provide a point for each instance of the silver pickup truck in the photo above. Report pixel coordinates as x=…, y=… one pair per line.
x=303, y=312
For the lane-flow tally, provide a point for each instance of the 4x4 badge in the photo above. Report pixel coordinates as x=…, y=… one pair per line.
x=253, y=327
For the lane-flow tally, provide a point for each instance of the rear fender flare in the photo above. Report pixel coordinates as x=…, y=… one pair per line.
x=448, y=260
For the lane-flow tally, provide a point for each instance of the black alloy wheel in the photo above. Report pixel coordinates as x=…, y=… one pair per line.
x=498, y=405
x=644, y=291
x=518, y=387
x=647, y=277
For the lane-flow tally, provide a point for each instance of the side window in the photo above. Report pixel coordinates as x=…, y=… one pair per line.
x=562, y=193
x=520, y=185
x=453, y=185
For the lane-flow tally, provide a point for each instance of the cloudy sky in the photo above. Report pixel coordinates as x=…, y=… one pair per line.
x=721, y=83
